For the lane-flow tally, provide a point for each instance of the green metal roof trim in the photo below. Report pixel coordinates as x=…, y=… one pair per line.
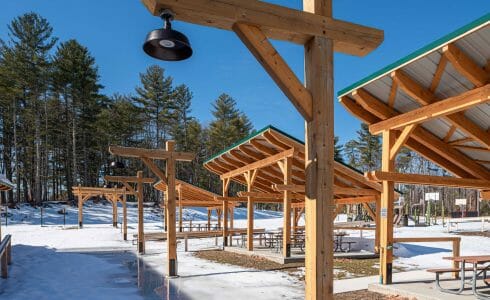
x=247, y=138
x=251, y=136
x=421, y=52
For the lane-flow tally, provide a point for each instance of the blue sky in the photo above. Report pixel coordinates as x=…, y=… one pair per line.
x=114, y=32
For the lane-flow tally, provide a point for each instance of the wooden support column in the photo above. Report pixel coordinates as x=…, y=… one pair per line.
x=114, y=209
x=125, y=217
x=209, y=219
x=319, y=136
x=179, y=190
x=80, y=210
x=141, y=232
x=386, y=212
x=165, y=216
x=218, y=214
x=287, y=169
x=250, y=178
x=232, y=217
x=378, y=226
x=171, y=234
x=295, y=222
x=224, y=186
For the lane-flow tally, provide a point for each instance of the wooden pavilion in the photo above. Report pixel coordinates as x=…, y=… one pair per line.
x=270, y=163
x=5, y=186
x=314, y=27
x=435, y=102
x=189, y=195
x=114, y=195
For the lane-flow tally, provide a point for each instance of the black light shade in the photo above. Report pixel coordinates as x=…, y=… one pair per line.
x=117, y=165
x=166, y=43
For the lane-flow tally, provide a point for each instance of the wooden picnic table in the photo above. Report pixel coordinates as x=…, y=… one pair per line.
x=338, y=242
x=479, y=266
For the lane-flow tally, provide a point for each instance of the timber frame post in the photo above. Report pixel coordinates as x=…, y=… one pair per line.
x=250, y=178
x=114, y=208
x=255, y=22
x=80, y=210
x=225, y=186
x=125, y=217
x=171, y=232
x=287, y=168
x=319, y=159
x=179, y=191
x=168, y=177
x=141, y=223
x=386, y=210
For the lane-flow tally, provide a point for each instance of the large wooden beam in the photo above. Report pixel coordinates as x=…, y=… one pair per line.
x=428, y=180
x=277, y=22
x=424, y=137
x=485, y=195
x=356, y=200
x=465, y=65
x=131, y=179
x=260, y=164
x=435, y=110
x=274, y=64
x=426, y=97
x=319, y=161
x=150, y=153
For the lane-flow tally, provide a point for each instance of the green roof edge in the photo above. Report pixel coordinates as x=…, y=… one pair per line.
x=428, y=48
x=251, y=136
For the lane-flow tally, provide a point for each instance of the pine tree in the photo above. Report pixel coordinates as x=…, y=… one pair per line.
x=76, y=84
x=369, y=147
x=155, y=95
x=229, y=125
x=26, y=56
x=337, y=150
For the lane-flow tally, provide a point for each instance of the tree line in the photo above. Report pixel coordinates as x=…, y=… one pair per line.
x=56, y=123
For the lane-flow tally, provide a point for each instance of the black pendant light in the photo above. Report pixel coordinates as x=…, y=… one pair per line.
x=167, y=44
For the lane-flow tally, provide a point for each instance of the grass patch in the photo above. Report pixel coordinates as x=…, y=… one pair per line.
x=344, y=268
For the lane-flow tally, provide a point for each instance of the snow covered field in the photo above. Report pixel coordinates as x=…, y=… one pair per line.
x=56, y=262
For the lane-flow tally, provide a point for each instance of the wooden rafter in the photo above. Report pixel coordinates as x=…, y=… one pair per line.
x=357, y=110
x=429, y=180
x=435, y=110
x=424, y=137
x=277, y=22
x=259, y=164
x=465, y=65
x=425, y=97
x=150, y=153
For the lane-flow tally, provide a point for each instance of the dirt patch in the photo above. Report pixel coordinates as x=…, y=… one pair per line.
x=474, y=233
x=367, y=295
x=253, y=262
x=344, y=268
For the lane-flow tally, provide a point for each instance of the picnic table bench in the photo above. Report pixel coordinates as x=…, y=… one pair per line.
x=479, y=267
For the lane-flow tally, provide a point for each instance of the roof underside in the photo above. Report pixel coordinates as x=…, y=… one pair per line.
x=270, y=142
x=449, y=67
x=5, y=184
x=192, y=196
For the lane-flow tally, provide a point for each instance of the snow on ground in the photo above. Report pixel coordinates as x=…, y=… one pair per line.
x=57, y=262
